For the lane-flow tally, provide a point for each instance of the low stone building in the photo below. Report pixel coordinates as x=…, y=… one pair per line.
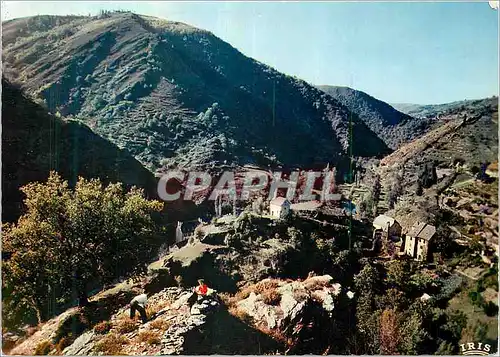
x=386, y=232
x=279, y=207
x=386, y=227
x=417, y=241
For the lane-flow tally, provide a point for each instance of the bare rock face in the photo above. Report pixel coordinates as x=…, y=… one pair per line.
x=183, y=315
x=82, y=346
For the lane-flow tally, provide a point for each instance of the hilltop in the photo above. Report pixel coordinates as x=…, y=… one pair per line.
x=391, y=125
x=174, y=95
x=433, y=110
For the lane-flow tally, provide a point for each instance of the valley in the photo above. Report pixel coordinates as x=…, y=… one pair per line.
x=401, y=259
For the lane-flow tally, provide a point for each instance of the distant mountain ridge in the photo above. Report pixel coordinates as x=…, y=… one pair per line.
x=469, y=134
x=432, y=110
x=391, y=125
x=173, y=95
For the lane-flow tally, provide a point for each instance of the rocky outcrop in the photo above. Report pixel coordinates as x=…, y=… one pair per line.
x=179, y=315
x=174, y=338
x=295, y=310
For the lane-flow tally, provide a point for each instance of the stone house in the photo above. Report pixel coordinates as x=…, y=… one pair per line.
x=386, y=231
x=417, y=241
x=386, y=227
x=279, y=208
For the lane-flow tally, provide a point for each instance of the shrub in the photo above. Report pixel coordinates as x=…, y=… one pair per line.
x=316, y=284
x=43, y=348
x=62, y=344
x=160, y=324
x=271, y=297
x=150, y=337
x=154, y=308
x=244, y=293
x=490, y=309
x=111, y=344
x=126, y=325
x=300, y=295
x=265, y=285
x=102, y=327
x=476, y=298
x=240, y=314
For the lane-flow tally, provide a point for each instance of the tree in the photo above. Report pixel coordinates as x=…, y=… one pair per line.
x=427, y=177
x=366, y=205
x=398, y=274
x=367, y=281
x=395, y=191
x=443, y=241
x=413, y=335
x=394, y=299
x=368, y=326
x=376, y=189
x=389, y=332
x=71, y=240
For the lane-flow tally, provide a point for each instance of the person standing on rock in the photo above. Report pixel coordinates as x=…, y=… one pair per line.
x=139, y=303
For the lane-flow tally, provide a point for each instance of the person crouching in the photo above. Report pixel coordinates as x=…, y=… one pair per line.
x=139, y=303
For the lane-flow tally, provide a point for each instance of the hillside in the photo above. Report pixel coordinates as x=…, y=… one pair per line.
x=175, y=95
x=433, y=110
x=34, y=143
x=391, y=125
x=470, y=134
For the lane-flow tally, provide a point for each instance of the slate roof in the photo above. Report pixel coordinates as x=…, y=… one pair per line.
x=422, y=230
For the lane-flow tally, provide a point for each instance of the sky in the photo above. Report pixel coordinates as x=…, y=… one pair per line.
x=404, y=52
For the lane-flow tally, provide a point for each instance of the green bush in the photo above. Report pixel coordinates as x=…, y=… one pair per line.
x=476, y=298
x=490, y=309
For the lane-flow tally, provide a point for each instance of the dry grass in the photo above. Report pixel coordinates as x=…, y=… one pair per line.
x=102, y=327
x=228, y=299
x=317, y=297
x=315, y=284
x=126, y=325
x=259, y=288
x=244, y=292
x=266, y=285
x=150, y=337
x=62, y=344
x=300, y=295
x=276, y=335
x=240, y=314
x=271, y=297
x=160, y=324
x=111, y=344
x=43, y=348
x=153, y=308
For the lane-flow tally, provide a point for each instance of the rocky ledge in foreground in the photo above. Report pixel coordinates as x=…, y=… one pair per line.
x=306, y=316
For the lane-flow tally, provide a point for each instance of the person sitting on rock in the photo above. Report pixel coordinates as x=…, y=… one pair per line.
x=202, y=288
x=139, y=303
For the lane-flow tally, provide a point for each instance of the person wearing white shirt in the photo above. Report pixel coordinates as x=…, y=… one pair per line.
x=139, y=303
